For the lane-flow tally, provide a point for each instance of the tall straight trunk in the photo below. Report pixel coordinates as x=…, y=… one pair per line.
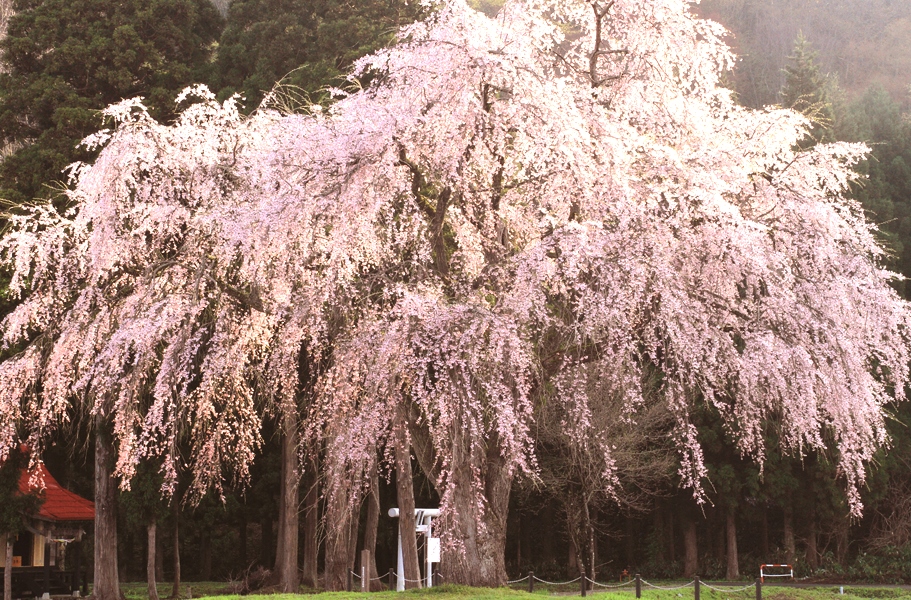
x=159, y=558
x=242, y=541
x=311, y=524
x=404, y=483
x=266, y=539
x=205, y=555
x=107, y=580
x=286, y=569
x=842, y=530
x=175, y=514
x=660, y=535
x=545, y=546
x=790, y=549
x=151, y=562
x=812, y=552
x=733, y=570
x=690, y=548
x=371, y=528
x=8, y=569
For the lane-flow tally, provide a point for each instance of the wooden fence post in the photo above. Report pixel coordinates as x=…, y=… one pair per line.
x=531, y=582
x=638, y=586
x=758, y=588
x=696, y=587
x=391, y=579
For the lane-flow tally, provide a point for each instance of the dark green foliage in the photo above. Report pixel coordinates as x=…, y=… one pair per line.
x=309, y=44
x=14, y=505
x=876, y=119
x=805, y=91
x=66, y=59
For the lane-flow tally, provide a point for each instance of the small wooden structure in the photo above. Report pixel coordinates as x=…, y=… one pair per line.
x=39, y=563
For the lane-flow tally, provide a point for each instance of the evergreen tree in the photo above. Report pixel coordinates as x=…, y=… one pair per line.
x=805, y=90
x=66, y=59
x=306, y=43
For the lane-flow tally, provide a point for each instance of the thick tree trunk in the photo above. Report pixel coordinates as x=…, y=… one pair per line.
x=690, y=549
x=790, y=549
x=8, y=569
x=812, y=552
x=479, y=530
x=175, y=514
x=151, y=562
x=404, y=483
x=311, y=523
x=286, y=568
x=371, y=528
x=733, y=570
x=106, y=584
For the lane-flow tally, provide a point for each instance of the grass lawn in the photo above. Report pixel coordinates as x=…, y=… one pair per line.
x=218, y=591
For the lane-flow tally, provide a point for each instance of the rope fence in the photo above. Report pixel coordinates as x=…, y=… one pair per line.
x=587, y=584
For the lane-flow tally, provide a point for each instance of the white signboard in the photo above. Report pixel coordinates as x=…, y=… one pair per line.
x=433, y=550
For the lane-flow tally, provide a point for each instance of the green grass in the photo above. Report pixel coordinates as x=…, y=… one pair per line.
x=220, y=591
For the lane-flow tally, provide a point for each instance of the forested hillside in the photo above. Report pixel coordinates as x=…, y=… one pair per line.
x=204, y=356
x=860, y=42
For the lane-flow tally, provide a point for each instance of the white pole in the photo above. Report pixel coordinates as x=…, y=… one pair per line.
x=400, y=567
x=427, y=537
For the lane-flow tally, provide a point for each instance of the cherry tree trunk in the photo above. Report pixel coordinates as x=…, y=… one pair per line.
x=404, y=483
x=8, y=569
x=150, y=560
x=286, y=555
x=733, y=570
x=339, y=514
x=690, y=548
x=106, y=583
x=477, y=557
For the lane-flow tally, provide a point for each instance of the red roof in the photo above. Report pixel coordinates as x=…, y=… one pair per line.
x=59, y=504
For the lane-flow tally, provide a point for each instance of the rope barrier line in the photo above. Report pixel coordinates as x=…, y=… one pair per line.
x=517, y=580
x=386, y=577
x=606, y=585
x=557, y=582
x=679, y=587
x=729, y=590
